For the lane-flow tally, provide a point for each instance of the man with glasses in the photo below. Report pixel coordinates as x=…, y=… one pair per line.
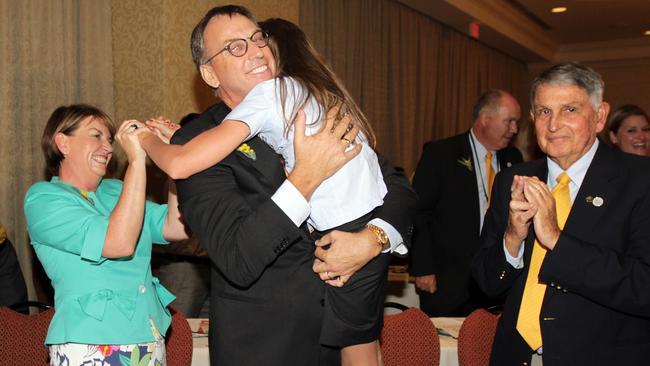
x=266, y=302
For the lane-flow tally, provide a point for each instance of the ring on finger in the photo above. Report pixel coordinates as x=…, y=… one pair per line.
x=135, y=127
x=347, y=141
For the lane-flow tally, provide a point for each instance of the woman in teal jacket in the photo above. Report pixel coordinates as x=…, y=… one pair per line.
x=94, y=237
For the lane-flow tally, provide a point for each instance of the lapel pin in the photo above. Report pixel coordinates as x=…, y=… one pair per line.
x=508, y=164
x=247, y=151
x=467, y=163
x=596, y=201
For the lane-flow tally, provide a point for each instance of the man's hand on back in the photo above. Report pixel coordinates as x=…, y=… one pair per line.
x=320, y=155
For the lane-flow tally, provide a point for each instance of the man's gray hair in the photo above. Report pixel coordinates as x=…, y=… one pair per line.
x=196, y=42
x=572, y=73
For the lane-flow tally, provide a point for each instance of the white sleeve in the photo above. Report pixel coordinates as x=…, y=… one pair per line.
x=518, y=261
x=257, y=110
x=394, y=237
x=292, y=202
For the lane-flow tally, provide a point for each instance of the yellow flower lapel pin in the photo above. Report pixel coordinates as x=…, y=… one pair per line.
x=467, y=163
x=247, y=151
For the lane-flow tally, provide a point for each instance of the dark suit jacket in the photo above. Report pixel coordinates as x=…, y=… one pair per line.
x=596, y=309
x=266, y=302
x=447, y=223
x=12, y=283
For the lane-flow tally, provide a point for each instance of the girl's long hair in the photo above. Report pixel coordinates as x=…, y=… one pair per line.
x=297, y=58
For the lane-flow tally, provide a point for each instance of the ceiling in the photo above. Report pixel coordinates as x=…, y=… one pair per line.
x=591, y=20
x=527, y=30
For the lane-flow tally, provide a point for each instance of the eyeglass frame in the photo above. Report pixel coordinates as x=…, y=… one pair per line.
x=265, y=38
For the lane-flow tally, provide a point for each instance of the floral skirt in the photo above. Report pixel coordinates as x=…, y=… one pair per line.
x=143, y=354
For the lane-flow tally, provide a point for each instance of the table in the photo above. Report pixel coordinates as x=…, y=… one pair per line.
x=448, y=329
x=200, y=351
x=448, y=332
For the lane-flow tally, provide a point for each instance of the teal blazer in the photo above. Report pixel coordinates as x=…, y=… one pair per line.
x=97, y=300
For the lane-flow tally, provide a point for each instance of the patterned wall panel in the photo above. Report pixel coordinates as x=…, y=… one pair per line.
x=154, y=73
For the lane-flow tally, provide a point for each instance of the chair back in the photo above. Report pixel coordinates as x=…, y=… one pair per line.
x=178, y=341
x=409, y=338
x=475, y=338
x=22, y=337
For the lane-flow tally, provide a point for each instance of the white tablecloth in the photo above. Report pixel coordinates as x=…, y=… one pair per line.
x=200, y=351
x=448, y=343
x=448, y=331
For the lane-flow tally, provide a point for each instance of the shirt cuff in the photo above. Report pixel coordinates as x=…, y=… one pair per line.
x=518, y=261
x=292, y=202
x=396, y=241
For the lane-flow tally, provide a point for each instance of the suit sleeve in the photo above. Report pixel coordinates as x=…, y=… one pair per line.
x=12, y=283
x=57, y=219
x=426, y=182
x=493, y=274
x=399, y=203
x=240, y=240
x=618, y=279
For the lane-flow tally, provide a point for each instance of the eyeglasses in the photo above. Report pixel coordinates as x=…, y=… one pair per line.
x=239, y=47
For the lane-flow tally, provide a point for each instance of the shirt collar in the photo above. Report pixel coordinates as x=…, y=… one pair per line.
x=576, y=171
x=480, y=149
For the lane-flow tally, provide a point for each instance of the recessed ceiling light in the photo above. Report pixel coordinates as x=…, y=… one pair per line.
x=559, y=9
x=647, y=33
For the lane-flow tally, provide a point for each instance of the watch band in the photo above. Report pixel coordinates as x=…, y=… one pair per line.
x=382, y=237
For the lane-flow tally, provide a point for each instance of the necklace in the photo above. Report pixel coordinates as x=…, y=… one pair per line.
x=85, y=195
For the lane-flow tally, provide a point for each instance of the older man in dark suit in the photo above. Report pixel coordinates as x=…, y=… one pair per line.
x=266, y=302
x=453, y=180
x=568, y=237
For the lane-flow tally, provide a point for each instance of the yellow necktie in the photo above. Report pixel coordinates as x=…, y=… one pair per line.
x=531, y=302
x=490, y=173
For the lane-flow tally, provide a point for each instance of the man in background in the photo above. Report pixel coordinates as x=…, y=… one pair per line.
x=453, y=180
x=182, y=266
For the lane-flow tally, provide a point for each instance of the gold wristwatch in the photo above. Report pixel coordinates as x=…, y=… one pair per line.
x=382, y=238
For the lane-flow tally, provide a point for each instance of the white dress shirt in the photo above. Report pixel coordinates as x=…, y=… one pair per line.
x=480, y=170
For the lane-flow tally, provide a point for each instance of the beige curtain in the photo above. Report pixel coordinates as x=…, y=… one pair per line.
x=415, y=78
x=51, y=53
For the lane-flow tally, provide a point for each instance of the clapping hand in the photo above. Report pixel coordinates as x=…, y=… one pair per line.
x=540, y=198
x=127, y=137
x=520, y=215
x=163, y=128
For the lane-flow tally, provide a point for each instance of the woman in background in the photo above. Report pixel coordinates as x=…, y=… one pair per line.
x=629, y=129
x=94, y=238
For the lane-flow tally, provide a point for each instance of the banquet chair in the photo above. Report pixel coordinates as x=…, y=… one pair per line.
x=22, y=337
x=178, y=341
x=475, y=338
x=409, y=338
